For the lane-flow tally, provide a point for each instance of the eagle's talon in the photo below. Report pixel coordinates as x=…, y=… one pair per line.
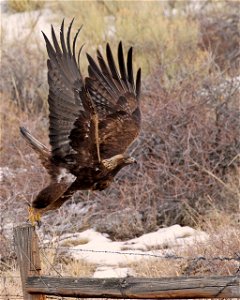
x=34, y=217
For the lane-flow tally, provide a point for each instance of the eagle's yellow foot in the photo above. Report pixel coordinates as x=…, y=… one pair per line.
x=34, y=217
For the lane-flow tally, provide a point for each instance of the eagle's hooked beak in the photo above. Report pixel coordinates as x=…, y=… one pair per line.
x=130, y=160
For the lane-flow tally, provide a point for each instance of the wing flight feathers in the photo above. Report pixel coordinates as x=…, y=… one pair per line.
x=55, y=42
x=130, y=70
x=115, y=96
x=113, y=68
x=65, y=82
x=38, y=147
x=74, y=44
x=68, y=39
x=95, y=119
x=103, y=77
x=114, y=82
x=62, y=38
x=121, y=63
x=111, y=84
x=138, y=84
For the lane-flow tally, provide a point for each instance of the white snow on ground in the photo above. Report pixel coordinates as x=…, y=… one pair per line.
x=98, y=249
x=111, y=272
x=166, y=237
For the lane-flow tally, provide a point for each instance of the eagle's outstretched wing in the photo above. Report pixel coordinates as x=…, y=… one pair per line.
x=70, y=110
x=65, y=82
x=95, y=119
x=116, y=97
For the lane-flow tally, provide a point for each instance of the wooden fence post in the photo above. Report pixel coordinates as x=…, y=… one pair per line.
x=27, y=249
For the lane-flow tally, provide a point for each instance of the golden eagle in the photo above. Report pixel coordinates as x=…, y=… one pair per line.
x=92, y=121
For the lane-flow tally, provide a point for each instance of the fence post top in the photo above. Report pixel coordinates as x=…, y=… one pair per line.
x=24, y=225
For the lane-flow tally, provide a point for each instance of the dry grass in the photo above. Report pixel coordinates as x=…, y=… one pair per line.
x=155, y=39
x=58, y=265
x=224, y=47
x=24, y=5
x=221, y=245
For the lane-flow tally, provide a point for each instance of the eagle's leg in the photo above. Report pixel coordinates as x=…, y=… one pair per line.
x=33, y=216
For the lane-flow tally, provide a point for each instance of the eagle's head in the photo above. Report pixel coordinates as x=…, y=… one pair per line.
x=112, y=165
x=118, y=161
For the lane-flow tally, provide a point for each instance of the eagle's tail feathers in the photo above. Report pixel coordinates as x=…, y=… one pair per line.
x=34, y=143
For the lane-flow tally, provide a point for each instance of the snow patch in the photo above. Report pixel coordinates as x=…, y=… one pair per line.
x=110, y=272
x=99, y=249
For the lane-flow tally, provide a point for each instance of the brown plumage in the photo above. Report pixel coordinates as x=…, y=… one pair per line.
x=92, y=121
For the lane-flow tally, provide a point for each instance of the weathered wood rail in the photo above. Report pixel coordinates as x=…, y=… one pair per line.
x=136, y=288
x=35, y=285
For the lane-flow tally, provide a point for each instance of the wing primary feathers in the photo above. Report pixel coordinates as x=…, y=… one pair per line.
x=79, y=53
x=112, y=65
x=130, y=68
x=50, y=49
x=94, y=67
x=64, y=49
x=102, y=64
x=138, y=83
x=121, y=63
x=106, y=80
x=94, y=70
x=74, y=43
x=105, y=72
x=111, y=62
x=55, y=42
x=68, y=38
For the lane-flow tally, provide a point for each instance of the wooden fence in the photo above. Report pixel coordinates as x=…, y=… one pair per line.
x=36, y=286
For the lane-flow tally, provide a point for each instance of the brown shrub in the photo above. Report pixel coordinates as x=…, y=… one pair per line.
x=189, y=149
x=23, y=76
x=220, y=35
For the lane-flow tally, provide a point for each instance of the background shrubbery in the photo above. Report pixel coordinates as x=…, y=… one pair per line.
x=188, y=150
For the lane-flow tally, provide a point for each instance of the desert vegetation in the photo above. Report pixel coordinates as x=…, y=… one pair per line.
x=188, y=150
